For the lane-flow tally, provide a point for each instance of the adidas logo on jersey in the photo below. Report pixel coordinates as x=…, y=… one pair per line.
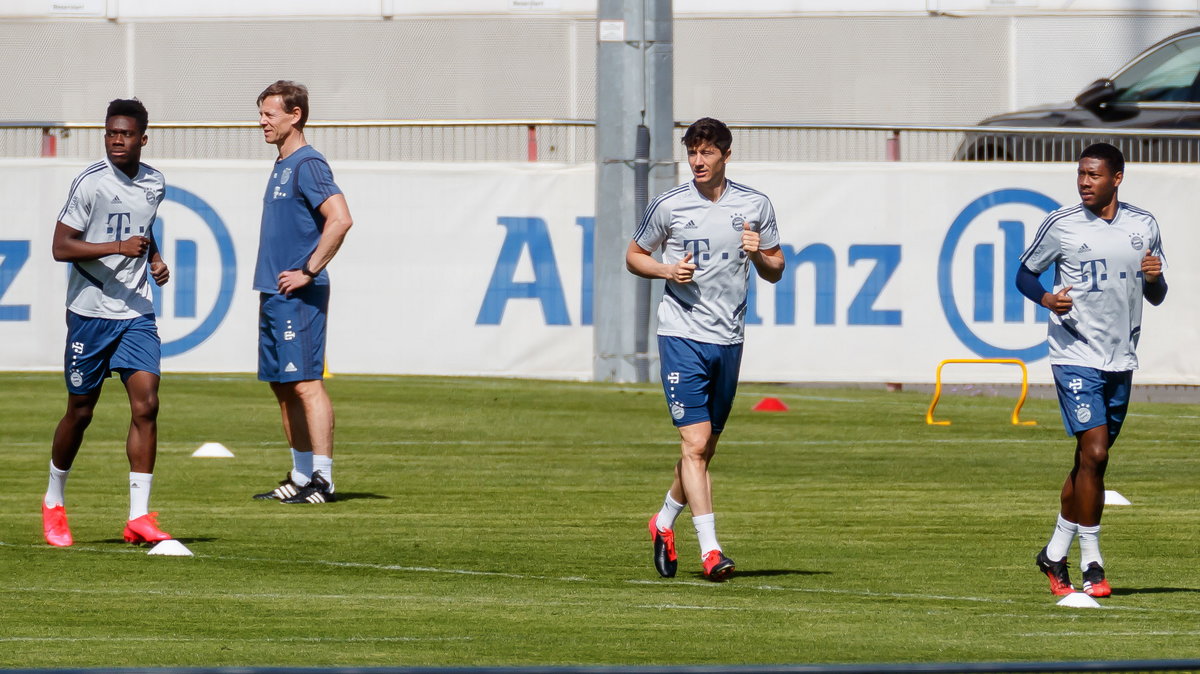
x=691, y=224
x=1083, y=249
x=291, y=367
x=116, y=200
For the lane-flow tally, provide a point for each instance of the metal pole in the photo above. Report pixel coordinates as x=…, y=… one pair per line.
x=633, y=81
x=642, y=304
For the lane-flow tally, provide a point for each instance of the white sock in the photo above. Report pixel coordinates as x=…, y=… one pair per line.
x=706, y=531
x=302, y=467
x=1061, y=539
x=139, y=494
x=56, y=490
x=324, y=466
x=1089, y=546
x=668, y=514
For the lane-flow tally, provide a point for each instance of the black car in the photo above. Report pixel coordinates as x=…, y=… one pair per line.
x=1159, y=91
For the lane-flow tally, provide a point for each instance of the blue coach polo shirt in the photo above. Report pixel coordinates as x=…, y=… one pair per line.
x=291, y=222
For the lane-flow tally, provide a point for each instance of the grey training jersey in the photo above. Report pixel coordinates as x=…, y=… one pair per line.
x=106, y=205
x=1102, y=262
x=712, y=308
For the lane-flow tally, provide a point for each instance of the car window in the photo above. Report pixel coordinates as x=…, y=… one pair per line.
x=1167, y=74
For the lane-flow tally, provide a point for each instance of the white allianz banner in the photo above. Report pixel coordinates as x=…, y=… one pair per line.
x=485, y=269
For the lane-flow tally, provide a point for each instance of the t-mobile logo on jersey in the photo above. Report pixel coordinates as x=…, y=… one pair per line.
x=121, y=226
x=1095, y=271
x=699, y=250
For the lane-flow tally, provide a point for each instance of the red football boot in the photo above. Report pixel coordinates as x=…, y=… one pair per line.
x=144, y=529
x=54, y=526
x=1094, y=582
x=1060, y=582
x=717, y=567
x=665, y=560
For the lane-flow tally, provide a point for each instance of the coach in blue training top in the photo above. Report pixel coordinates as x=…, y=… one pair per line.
x=1107, y=256
x=304, y=221
x=710, y=231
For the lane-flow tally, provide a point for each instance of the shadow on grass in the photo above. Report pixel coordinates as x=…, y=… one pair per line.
x=1153, y=590
x=768, y=573
x=186, y=540
x=765, y=573
x=353, y=495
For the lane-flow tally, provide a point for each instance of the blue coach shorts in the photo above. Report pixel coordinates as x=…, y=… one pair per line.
x=97, y=347
x=700, y=380
x=291, y=334
x=1089, y=398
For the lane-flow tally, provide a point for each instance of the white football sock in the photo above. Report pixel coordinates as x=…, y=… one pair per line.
x=302, y=467
x=1089, y=546
x=706, y=531
x=324, y=466
x=669, y=513
x=139, y=494
x=1061, y=539
x=56, y=490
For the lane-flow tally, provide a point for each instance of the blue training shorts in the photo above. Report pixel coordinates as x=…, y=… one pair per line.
x=97, y=347
x=1089, y=398
x=291, y=334
x=699, y=380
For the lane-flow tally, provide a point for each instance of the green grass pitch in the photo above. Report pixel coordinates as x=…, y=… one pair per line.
x=502, y=522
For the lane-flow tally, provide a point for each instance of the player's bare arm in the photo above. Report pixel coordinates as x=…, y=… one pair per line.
x=69, y=246
x=337, y=223
x=769, y=262
x=641, y=262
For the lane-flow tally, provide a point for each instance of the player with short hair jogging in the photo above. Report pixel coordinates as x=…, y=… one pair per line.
x=710, y=231
x=105, y=232
x=1107, y=257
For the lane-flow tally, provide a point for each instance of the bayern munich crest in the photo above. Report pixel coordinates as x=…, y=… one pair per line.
x=76, y=378
x=677, y=411
x=287, y=175
x=739, y=222
x=1083, y=413
x=1137, y=242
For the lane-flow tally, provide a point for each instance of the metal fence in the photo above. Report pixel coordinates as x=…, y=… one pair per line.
x=573, y=141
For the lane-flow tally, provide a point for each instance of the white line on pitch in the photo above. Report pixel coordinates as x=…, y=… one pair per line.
x=581, y=579
x=225, y=639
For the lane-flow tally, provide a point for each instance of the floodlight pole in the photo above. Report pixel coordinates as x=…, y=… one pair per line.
x=634, y=142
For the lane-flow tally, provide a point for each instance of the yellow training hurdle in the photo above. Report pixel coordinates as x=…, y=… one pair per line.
x=1016, y=413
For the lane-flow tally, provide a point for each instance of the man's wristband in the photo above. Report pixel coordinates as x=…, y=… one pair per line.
x=308, y=272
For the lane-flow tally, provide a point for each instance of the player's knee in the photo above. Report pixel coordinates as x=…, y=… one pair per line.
x=695, y=450
x=1093, y=457
x=79, y=417
x=144, y=409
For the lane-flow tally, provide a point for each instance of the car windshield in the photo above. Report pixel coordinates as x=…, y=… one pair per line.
x=1167, y=74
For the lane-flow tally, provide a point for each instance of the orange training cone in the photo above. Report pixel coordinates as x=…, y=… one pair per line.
x=770, y=405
